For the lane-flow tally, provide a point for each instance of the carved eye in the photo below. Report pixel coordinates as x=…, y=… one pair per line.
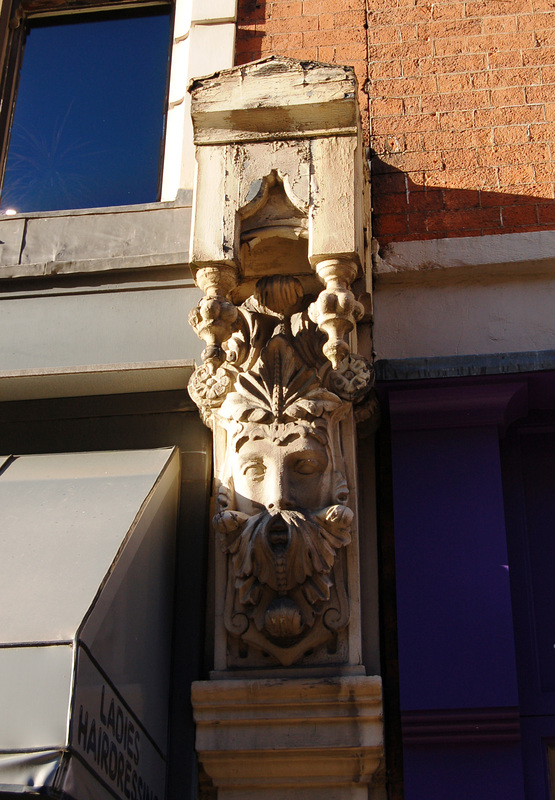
x=254, y=470
x=309, y=466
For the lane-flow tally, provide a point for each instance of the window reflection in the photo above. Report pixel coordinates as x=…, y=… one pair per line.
x=89, y=118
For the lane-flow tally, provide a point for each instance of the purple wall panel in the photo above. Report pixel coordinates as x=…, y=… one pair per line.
x=468, y=772
x=530, y=480
x=537, y=733
x=538, y=460
x=455, y=630
x=463, y=735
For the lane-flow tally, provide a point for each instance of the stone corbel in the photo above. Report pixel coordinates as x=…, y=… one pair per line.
x=278, y=247
x=277, y=243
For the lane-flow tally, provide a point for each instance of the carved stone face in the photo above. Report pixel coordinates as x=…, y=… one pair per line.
x=293, y=474
x=285, y=525
x=282, y=514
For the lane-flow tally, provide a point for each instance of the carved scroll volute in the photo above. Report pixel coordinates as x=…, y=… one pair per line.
x=336, y=311
x=215, y=318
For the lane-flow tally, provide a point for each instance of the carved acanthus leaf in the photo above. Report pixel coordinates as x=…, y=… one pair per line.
x=280, y=390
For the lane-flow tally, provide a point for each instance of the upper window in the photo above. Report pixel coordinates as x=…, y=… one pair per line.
x=88, y=124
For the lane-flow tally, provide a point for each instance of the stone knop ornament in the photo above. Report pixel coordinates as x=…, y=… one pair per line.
x=215, y=317
x=279, y=390
x=336, y=311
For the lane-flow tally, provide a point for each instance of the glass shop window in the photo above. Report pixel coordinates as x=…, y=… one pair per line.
x=89, y=117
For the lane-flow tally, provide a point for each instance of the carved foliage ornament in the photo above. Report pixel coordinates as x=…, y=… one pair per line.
x=282, y=515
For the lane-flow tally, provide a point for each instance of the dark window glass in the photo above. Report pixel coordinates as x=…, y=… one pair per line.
x=89, y=117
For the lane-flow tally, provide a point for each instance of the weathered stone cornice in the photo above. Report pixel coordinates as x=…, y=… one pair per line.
x=275, y=98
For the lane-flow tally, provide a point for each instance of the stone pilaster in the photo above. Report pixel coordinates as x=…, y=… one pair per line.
x=278, y=247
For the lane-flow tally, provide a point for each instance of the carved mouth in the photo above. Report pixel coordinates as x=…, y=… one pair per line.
x=278, y=532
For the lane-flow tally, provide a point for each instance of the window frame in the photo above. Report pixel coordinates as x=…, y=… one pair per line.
x=15, y=15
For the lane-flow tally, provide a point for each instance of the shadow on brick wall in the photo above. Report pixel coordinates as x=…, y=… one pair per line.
x=250, y=30
x=404, y=210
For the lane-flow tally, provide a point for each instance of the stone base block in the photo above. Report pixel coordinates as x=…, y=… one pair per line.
x=280, y=738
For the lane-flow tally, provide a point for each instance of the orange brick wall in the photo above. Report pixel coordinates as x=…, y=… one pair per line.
x=461, y=98
x=333, y=31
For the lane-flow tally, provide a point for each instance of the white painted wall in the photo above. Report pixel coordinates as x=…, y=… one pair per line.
x=475, y=295
x=414, y=322
x=204, y=42
x=55, y=329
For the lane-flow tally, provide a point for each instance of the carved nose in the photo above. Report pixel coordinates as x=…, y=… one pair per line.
x=278, y=487
x=278, y=499
x=281, y=505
